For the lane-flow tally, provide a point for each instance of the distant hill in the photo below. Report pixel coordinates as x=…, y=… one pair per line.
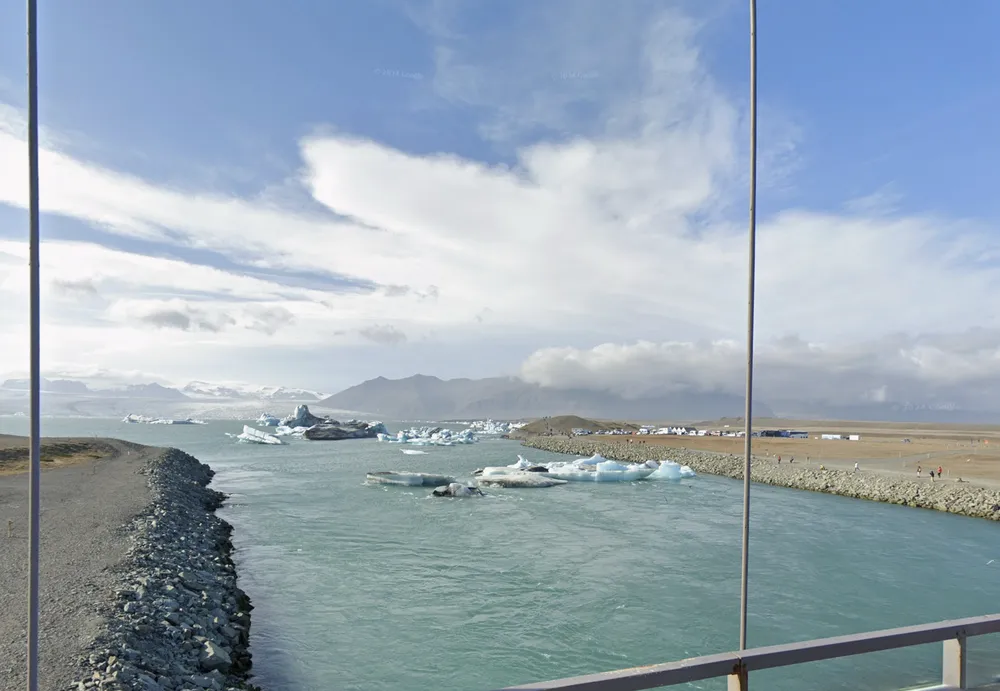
x=423, y=397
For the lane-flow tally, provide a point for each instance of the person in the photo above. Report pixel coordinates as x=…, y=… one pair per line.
x=932, y=476
x=940, y=472
x=856, y=467
x=792, y=459
x=918, y=470
x=779, y=459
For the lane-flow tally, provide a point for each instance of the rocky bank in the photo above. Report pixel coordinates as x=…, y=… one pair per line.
x=960, y=498
x=176, y=619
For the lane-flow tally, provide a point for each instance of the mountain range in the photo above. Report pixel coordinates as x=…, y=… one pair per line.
x=424, y=397
x=196, y=390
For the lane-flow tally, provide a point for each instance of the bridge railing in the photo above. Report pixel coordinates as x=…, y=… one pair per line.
x=737, y=666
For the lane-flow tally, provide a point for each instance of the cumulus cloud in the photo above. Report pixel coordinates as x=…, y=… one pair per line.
x=936, y=370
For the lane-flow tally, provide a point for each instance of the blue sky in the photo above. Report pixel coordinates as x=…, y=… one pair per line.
x=401, y=136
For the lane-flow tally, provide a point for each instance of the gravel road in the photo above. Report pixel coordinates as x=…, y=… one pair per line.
x=85, y=508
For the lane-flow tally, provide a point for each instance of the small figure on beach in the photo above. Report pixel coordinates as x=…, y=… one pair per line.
x=932, y=476
x=856, y=468
x=792, y=459
x=918, y=470
x=779, y=460
x=940, y=473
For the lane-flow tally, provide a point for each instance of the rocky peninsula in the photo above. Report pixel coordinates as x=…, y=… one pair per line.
x=962, y=498
x=139, y=589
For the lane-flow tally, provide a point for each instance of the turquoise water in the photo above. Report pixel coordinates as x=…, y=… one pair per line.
x=374, y=588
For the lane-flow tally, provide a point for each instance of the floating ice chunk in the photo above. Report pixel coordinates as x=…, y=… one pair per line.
x=255, y=436
x=456, y=490
x=137, y=419
x=522, y=463
x=670, y=470
x=603, y=471
x=268, y=420
x=519, y=478
x=593, y=460
x=286, y=431
x=414, y=452
x=494, y=427
x=430, y=436
x=392, y=477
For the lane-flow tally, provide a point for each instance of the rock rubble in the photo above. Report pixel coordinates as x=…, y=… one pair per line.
x=960, y=498
x=176, y=620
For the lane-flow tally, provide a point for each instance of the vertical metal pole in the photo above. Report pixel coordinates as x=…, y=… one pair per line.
x=748, y=428
x=34, y=495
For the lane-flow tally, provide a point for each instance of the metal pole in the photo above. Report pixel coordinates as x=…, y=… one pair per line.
x=748, y=428
x=35, y=477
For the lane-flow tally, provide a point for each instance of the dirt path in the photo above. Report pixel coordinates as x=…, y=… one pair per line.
x=86, y=503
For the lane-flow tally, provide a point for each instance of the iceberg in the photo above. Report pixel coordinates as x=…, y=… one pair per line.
x=142, y=419
x=268, y=420
x=414, y=452
x=518, y=478
x=670, y=470
x=409, y=479
x=585, y=470
x=495, y=427
x=255, y=436
x=285, y=431
x=428, y=436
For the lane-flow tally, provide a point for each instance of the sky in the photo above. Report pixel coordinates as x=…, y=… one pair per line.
x=317, y=193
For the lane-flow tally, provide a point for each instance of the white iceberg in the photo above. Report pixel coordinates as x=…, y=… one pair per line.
x=429, y=436
x=255, y=436
x=142, y=419
x=414, y=452
x=286, y=431
x=268, y=420
x=584, y=470
x=495, y=427
x=670, y=470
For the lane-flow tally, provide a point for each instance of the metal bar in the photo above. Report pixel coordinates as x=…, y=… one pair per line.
x=35, y=477
x=740, y=663
x=638, y=678
x=748, y=413
x=953, y=663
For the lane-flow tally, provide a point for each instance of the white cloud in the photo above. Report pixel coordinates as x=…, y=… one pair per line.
x=958, y=370
x=621, y=223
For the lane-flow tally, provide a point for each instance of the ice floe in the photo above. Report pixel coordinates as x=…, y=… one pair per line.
x=519, y=478
x=410, y=479
x=429, y=436
x=142, y=419
x=495, y=427
x=254, y=436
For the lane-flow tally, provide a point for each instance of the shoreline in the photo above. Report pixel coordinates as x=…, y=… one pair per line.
x=176, y=618
x=965, y=499
x=138, y=587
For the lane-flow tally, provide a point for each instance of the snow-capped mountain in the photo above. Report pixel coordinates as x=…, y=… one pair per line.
x=200, y=389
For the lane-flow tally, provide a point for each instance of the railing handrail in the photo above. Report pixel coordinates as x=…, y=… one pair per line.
x=725, y=664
